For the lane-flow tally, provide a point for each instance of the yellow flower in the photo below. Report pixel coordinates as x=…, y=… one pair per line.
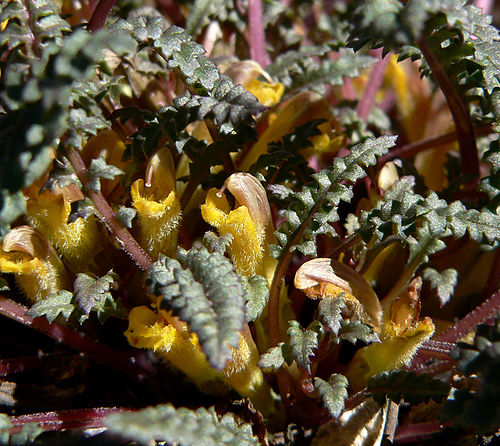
x=250, y=224
x=267, y=93
x=181, y=348
x=401, y=336
x=28, y=254
x=78, y=242
x=247, y=72
x=157, y=205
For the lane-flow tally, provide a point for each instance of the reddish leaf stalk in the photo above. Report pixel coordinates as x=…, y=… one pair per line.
x=461, y=117
x=374, y=83
x=412, y=432
x=412, y=149
x=256, y=38
x=479, y=315
x=100, y=14
x=66, y=419
x=130, y=365
x=126, y=240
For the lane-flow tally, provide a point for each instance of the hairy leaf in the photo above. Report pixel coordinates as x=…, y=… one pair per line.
x=303, y=343
x=27, y=435
x=93, y=293
x=333, y=393
x=100, y=169
x=125, y=215
x=315, y=206
x=55, y=304
x=411, y=387
x=354, y=331
x=273, y=358
x=330, y=309
x=181, y=426
x=205, y=291
x=444, y=282
x=257, y=295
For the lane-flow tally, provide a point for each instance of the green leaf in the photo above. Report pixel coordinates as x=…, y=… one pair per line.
x=181, y=426
x=204, y=290
x=330, y=309
x=257, y=295
x=61, y=175
x=273, y=358
x=354, y=331
x=93, y=293
x=55, y=304
x=443, y=282
x=315, y=206
x=99, y=169
x=333, y=393
x=215, y=243
x=411, y=387
x=125, y=215
x=303, y=343
x=27, y=435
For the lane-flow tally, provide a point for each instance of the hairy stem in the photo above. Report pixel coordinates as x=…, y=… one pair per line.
x=133, y=366
x=66, y=419
x=106, y=214
x=256, y=36
x=479, y=315
x=461, y=117
x=374, y=82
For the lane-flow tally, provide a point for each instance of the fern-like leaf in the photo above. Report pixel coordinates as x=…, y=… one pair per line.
x=333, y=393
x=182, y=426
x=94, y=294
x=443, y=282
x=411, y=387
x=303, y=343
x=257, y=295
x=205, y=291
x=315, y=206
x=55, y=304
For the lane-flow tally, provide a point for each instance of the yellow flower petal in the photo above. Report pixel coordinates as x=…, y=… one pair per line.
x=29, y=255
x=267, y=93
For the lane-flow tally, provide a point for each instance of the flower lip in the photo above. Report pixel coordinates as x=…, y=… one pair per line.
x=28, y=240
x=249, y=192
x=319, y=270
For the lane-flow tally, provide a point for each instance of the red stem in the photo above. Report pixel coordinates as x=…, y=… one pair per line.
x=127, y=242
x=479, y=315
x=412, y=432
x=100, y=14
x=134, y=366
x=374, y=83
x=412, y=149
x=256, y=38
x=461, y=117
x=66, y=419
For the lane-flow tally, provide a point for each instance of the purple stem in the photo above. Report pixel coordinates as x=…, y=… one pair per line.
x=66, y=419
x=133, y=366
x=485, y=5
x=256, y=38
x=374, y=83
x=100, y=14
x=412, y=432
x=479, y=315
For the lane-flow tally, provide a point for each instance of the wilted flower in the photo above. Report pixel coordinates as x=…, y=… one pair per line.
x=28, y=254
x=323, y=278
